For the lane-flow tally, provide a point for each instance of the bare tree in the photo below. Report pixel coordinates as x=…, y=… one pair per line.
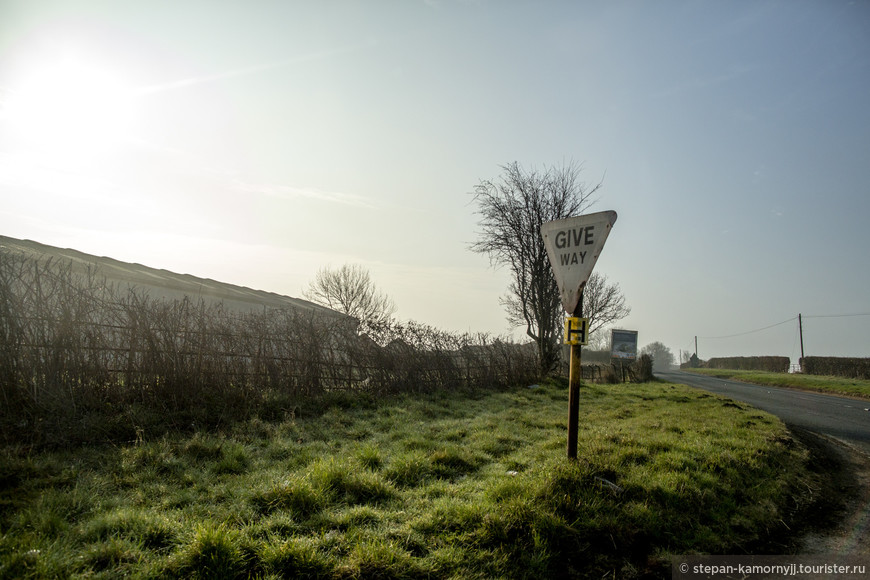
x=511, y=211
x=603, y=303
x=599, y=340
x=663, y=358
x=350, y=290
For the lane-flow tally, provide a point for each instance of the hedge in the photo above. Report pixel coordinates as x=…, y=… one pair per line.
x=854, y=368
x=775, y=364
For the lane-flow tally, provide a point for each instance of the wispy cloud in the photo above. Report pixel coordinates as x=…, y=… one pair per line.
x=231, y=180
x=38, y=172
x=250, y=70
x=293, y=192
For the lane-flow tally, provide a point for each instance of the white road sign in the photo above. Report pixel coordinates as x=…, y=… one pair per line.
x=573, y=246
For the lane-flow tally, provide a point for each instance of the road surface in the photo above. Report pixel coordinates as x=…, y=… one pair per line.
x=840, y=417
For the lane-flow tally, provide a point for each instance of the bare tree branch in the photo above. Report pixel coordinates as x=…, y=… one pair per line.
x=350, y=290
x=511, y=212
x=603, y=303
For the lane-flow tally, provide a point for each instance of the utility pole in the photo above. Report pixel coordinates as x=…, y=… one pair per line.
x=801, y=330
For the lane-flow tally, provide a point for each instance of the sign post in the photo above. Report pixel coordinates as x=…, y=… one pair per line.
x=573, y=246
x=576, y=334
x=623, y=347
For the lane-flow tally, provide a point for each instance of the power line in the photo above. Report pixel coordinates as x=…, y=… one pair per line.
x=792, y=319
x=854, y=314
x=836, y=315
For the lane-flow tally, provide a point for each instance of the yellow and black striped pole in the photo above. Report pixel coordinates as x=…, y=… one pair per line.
x=576, y=335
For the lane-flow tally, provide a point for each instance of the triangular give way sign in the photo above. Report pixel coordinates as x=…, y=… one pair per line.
x=573, y=246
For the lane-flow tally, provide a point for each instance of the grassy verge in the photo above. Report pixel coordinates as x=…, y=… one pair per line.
x=434, y=486
x=822, y=384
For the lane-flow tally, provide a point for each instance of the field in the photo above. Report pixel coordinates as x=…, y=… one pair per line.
x=470, y=484
x=822, y=384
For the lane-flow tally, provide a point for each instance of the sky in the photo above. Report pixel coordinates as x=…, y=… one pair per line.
x=256, y=142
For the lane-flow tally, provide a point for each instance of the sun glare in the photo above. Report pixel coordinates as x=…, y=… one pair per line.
x=70, y=108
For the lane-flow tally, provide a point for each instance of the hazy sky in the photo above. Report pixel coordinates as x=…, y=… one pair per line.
x=253, y=142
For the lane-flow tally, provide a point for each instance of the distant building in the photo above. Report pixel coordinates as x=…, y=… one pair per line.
x=693, y=363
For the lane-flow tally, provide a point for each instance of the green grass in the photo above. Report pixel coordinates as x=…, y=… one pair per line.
x=446, y=485
x=822, y=384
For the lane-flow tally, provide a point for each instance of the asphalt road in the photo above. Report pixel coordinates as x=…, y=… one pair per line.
x=839, y=417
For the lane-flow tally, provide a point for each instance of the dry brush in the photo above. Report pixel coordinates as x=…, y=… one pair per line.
x=81, y=358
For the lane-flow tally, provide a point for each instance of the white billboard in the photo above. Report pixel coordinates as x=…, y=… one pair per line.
x=623, y=344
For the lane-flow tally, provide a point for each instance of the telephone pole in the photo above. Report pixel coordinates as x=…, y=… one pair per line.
x=801, y=331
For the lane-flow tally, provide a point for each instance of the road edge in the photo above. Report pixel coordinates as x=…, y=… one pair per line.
x=838, y=520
